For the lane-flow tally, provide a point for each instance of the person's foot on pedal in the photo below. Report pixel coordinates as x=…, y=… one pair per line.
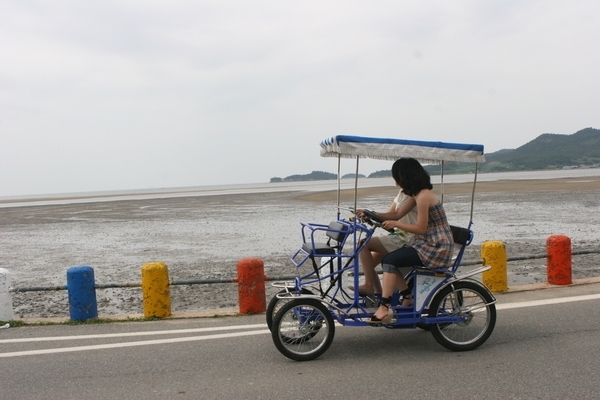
x=364, y=291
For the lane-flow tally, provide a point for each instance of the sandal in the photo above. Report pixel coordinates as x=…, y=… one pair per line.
x=374, y=321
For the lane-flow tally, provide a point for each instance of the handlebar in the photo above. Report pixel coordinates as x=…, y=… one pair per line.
x=372, y=219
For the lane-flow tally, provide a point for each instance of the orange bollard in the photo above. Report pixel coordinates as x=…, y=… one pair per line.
x=559, y=263
x=251, y=285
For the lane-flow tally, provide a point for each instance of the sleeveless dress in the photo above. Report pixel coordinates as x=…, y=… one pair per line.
x=435, y=247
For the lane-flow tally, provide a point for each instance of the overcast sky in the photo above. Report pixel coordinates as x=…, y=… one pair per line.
x=117, y=95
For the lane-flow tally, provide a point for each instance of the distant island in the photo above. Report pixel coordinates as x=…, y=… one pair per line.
x=548, y=151
x=313, y=176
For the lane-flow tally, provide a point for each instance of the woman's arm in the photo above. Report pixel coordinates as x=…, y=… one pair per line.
x=394, y=213
x=424, y=199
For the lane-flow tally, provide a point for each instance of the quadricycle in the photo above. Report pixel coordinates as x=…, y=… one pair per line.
x=455, y=307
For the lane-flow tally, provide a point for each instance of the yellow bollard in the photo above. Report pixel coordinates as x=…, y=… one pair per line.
x=155, y=286
x=493, y=254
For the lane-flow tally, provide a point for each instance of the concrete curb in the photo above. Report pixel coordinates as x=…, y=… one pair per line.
x=230, y=312
x=224, y=312
x=546, y=285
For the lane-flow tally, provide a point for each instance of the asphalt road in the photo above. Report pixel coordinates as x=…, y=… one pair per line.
x=546, y=345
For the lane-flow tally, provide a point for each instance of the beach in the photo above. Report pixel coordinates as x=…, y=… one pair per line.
x=204, y=237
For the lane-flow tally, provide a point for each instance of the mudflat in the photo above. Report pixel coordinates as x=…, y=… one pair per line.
x=203, y=237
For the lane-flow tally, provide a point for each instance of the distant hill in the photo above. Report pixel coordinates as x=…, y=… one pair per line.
x=313, y=176
x=550, y=151
x=547, y=151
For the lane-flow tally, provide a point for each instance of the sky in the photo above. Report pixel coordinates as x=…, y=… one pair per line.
x=119, y=95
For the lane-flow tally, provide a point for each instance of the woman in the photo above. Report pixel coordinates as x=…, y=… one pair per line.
x=370, y=256
x=432, y=243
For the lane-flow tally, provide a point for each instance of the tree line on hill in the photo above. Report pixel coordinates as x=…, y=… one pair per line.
x=547, y=151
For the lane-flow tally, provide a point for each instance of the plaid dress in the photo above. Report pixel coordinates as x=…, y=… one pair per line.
x=435, y=247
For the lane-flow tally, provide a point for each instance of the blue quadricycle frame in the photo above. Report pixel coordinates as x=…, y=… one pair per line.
x=458, y=309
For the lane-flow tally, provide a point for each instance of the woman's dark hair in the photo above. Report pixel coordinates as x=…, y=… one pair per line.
x=410, y=175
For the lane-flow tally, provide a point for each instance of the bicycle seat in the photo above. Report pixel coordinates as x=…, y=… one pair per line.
x=337, y=232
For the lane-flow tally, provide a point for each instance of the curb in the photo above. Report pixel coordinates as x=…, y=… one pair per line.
x=232, y=312
x=546, y=285
x=225, y=312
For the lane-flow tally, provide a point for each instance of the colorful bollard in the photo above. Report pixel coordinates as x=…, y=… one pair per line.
x=559, y=264
x=493, y=254
x=82, y=293
x=251, y=286
x=155, y=286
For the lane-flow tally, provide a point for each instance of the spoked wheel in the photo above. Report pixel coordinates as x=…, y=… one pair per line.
x=276, y=303
x=302, y=329
x=470, y=301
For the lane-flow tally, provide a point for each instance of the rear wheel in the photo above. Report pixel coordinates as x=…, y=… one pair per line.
x=302, y=329
x=275, y=303
x=473, y=303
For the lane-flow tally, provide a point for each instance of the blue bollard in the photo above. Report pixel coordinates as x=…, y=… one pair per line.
x=82, y=293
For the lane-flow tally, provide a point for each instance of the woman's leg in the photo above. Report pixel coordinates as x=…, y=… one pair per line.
x=370, y=256
x=393, y=264
x=389, y=285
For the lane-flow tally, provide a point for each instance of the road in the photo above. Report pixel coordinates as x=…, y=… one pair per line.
x=546, y=344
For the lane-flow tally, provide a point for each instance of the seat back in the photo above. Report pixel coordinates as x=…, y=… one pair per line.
x=337, y=231
x=462, y=236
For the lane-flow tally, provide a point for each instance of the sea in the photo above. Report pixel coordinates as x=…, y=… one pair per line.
x=250, y=188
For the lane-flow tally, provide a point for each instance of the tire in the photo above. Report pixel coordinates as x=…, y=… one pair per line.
x=470, y=300
x=275, y=304
x=427, y=327
x=302, y=329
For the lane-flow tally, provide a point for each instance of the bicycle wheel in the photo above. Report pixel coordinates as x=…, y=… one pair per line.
x=471, y=301
x=302, y=329
x=276, y=303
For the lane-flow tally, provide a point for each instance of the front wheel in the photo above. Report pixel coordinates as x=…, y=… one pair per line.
x=302, y=329
x=474, y=304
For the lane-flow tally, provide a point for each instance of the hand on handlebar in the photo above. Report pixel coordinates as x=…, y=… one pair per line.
x=371, y=217
x=388, y=225
x=360, y=214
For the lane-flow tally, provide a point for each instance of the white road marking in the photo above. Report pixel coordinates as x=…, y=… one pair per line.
x=507, y=306
x=535, y=303
x=130, y=344
x=130, y=334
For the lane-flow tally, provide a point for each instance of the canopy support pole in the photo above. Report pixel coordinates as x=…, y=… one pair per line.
x=356, y=184
x=442, y=179
x=473, y=194
x=339, y=185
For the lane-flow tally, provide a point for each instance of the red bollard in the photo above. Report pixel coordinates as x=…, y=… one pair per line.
x=251, y=285
x=558, y=248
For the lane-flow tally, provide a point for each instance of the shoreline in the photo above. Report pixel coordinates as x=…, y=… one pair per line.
x=312, y=194
x=588, y=179
x=517, y=185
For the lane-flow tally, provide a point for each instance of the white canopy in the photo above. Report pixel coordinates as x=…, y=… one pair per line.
x=392, y=149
